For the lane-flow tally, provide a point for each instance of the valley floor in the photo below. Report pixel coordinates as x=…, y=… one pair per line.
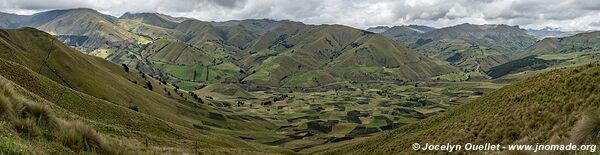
x=312, y=117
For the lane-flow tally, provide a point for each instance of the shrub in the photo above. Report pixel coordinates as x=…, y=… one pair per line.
x=149, y=85
x=125, y=68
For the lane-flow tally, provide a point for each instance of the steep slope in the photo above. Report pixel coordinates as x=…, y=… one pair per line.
x=256, y=26
x=551, y=32
x=542, y=109
x=473, y=47
x=185, y=65
x=83, y=28
x=48, y=133
x=11, y=20
x=544, y=46
x=200, y=33
x=128, y=105
x=583, y=42
x=191, y=53
x=378, y=29
x=324, y=53
x=553, y=53
x=406, y=32
x=272, y=43
x=155, y=19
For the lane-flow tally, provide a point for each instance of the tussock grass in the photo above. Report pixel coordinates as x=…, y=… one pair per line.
x=79, y=136
x=587, y=129
x=33, y=120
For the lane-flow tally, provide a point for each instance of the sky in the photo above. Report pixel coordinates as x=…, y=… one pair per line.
x=567, y=15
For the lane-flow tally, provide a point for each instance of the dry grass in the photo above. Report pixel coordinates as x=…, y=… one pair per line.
x=587, y=129
x=33, y=120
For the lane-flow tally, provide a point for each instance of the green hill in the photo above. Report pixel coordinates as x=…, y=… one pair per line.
x=191, y=53
x=551, y=53
x=155, y=19
x=324, y=54
x=468, y=46
x=85, y=28
x=128, y=107
x=378, y=29
x=546, y=109
x=582, y=42
x=406, y=32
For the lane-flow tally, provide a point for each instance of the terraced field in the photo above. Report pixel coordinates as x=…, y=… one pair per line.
x=311, y=117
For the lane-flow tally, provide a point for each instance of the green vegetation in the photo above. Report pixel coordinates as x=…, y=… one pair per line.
x=467, y=46
x=184, y=86
x=527, y=63
x=68, y=82
x=542, y=109
x=32, y=120
x=461, y=76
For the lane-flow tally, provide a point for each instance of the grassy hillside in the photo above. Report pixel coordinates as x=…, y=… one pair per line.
x=344, y=53
x=126, y=108
x=470, y=47
x=545, y=109
x=29, y=126
x=552, y=53
x=527, y=63
x=406, y=32
x=155, y=19
x=178, y=50
x=583, y=42
x=84, y=28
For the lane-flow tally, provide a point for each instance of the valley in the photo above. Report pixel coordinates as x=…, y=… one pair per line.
x=150, y=83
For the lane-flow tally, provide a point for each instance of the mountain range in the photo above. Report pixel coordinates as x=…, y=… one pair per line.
x=551, y=32
x=466, y=46
x=78, y=81
x=263, y=52
x=113, y=99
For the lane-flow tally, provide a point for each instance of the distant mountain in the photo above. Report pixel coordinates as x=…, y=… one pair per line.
x=471, y=47
x=256, y=26
x=155, y=19
x=191, y=52
x=11, y=20
x=378, y=29
x=83, y=28
x=404, y=33
x=582, y=42
x=401, y=33
x=551, y=32
x=521, y=113
x=576, y=50
x=422, y=28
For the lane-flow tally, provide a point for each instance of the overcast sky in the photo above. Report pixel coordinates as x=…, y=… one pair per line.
x=565, y=14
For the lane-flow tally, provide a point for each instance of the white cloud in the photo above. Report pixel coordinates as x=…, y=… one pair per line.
x=566, y=14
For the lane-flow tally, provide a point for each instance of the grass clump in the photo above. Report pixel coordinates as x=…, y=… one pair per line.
x=80, y=137
x=31, y=120
x=587, y=129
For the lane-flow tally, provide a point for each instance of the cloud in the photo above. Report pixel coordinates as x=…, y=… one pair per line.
x=566, y=14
